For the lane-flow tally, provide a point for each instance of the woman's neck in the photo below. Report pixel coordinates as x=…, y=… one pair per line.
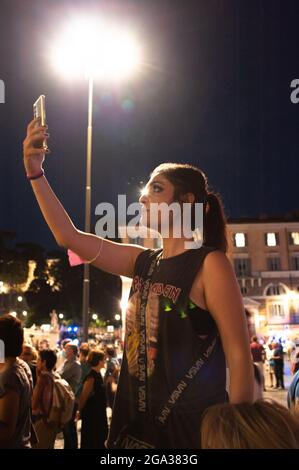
x=173, y=246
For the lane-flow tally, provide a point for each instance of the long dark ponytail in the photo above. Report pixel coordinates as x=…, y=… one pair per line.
x=190, y=179
x=214, y=223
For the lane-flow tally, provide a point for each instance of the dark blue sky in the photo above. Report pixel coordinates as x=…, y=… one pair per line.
x=215, y=93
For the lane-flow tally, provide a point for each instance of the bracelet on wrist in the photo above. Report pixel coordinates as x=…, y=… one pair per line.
x=35, y=177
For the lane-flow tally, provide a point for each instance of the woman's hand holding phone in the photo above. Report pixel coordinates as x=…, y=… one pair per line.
x=33, y=147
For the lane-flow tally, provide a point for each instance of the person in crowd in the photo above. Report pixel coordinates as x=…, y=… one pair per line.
x=293, y=394
x=92, y=404
x=258, y=356
x=189, y=296
x=29, y=355
x=42, y=400
x=259, y=425
x=270, y=363
x=111, y=375
x=71, y=372
x=85, y=366
x=295, y=363
x=61, y=356
x=15, y=388
x=43, y=344
x=258, y=385
x=278, y=365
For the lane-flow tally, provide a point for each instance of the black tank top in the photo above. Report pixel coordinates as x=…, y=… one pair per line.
x=174, y=331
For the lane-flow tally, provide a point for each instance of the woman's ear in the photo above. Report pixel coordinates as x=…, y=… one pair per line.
x=188, y=197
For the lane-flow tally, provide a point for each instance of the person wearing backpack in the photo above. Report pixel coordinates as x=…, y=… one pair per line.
x=43, y=398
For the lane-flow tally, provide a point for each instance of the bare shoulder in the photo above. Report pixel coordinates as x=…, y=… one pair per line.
x=216, y=262
x=89, y=379
x=215, y=267
x=218, y=273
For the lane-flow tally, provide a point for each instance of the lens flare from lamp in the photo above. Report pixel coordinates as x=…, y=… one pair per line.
x=96, y=49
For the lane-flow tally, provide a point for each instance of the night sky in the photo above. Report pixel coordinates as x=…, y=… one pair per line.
x=214, y=91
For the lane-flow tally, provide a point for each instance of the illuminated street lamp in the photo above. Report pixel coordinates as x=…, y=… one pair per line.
x=24, y=313
x=61, y=316
x=117, y=317
x=103, y=51
x=20, y=298
x=94, y=317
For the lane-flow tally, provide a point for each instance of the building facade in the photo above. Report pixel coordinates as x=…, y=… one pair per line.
x=265, y=256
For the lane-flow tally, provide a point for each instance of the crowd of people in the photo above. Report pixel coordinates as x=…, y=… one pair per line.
x=46, y=391
x=28, y=418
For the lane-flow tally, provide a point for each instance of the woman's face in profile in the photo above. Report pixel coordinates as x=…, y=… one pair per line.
x=157, y=191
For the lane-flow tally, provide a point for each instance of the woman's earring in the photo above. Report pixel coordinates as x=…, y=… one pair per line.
x=197, y=237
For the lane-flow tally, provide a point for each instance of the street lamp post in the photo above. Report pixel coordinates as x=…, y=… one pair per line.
x=86, y=275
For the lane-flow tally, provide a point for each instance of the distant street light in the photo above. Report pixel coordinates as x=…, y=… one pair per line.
x=94, y=317
x=20, y=298
x=117, y=317
x=61, y=316
x=13, y=314
x=93, y=48
x=24, y=313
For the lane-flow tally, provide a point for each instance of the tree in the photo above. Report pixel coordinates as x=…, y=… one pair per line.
x=59, y=287
x=13, y=268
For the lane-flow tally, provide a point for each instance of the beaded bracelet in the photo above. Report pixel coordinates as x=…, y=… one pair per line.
x=35, y=177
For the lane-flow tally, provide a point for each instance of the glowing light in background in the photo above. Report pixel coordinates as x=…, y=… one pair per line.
x=96, y=48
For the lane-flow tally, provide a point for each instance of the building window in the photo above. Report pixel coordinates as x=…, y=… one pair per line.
x=244, y=290
x=271, y=239
x=275, y=289
x=294, y=238
x=274, y=263
x=295, y=263
x=240, y=240
x=242, y=267
x=276, y=310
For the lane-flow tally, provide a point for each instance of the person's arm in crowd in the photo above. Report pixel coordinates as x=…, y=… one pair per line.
x=38, y=392
x=9, y=410
x=86, y=391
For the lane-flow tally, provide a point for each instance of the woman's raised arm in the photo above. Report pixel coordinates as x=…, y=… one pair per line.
x=115, y=258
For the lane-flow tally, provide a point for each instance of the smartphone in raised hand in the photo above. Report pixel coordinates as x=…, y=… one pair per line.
x=39, y=111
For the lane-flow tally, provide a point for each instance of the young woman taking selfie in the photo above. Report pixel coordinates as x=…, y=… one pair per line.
x=185, y=318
